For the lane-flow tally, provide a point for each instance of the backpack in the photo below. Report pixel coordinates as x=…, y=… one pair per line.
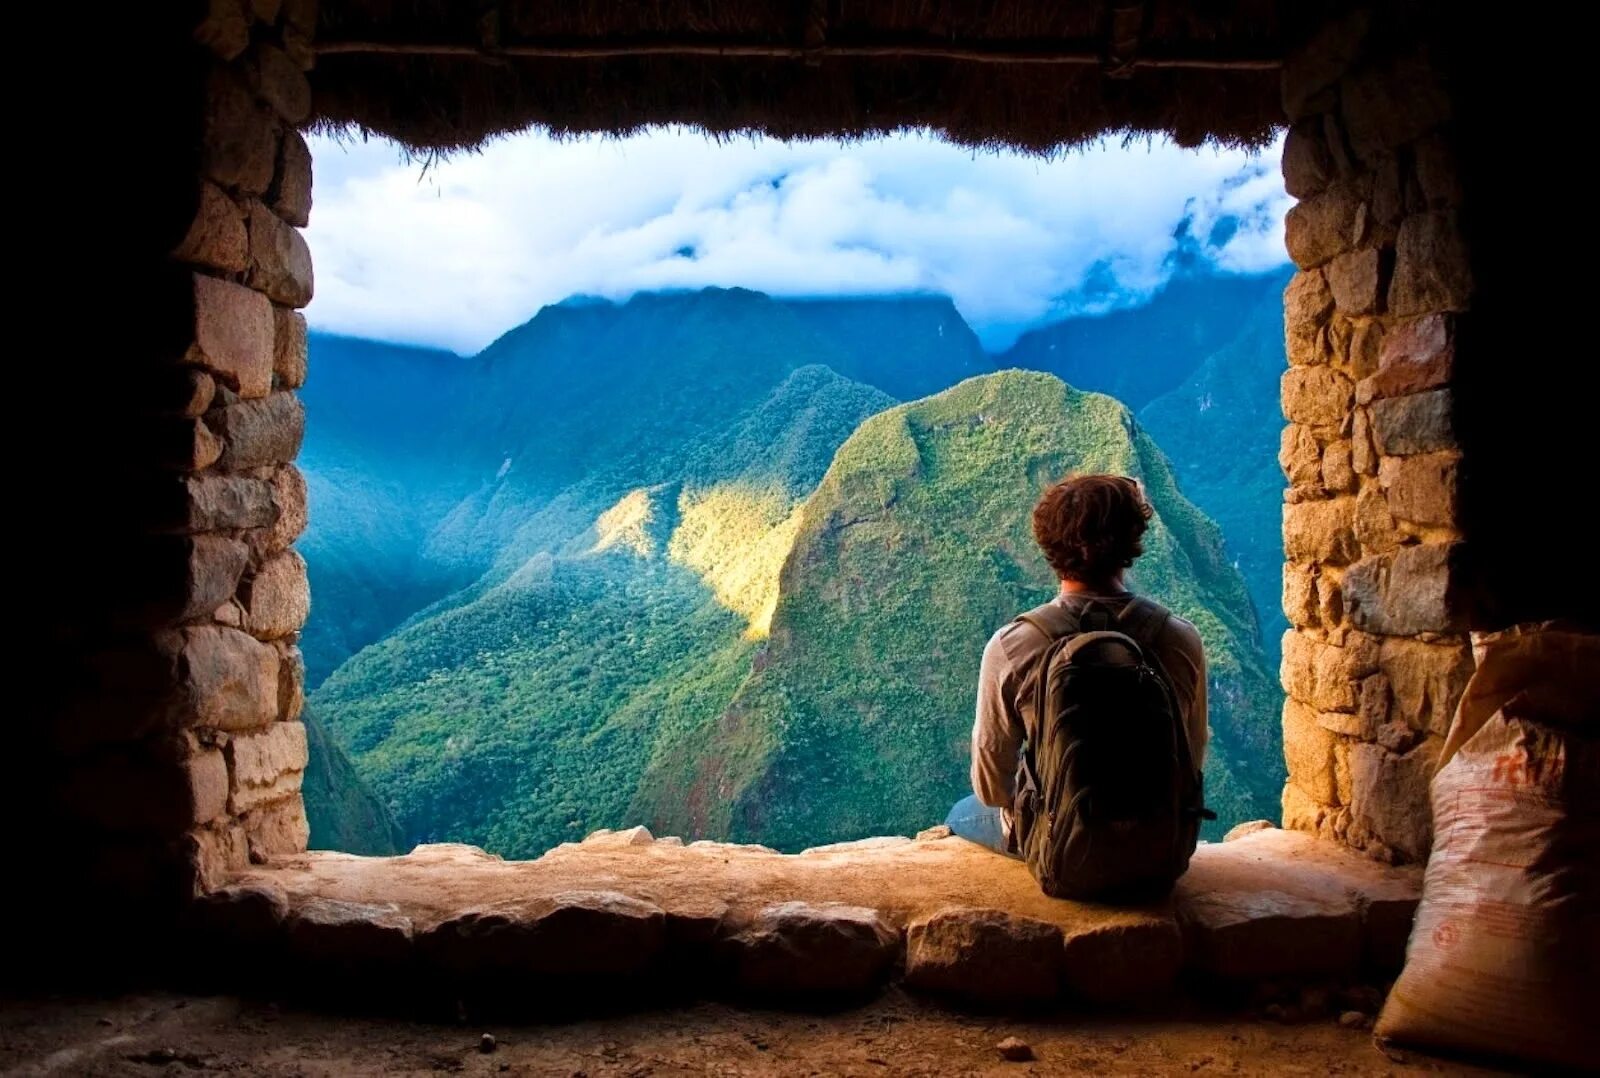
x=1108, y=802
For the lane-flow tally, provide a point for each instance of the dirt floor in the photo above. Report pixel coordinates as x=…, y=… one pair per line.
x=158, y=1034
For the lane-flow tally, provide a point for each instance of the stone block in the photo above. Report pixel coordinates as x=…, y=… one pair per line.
x=328, y=936
x=1422, y=488
x=1320, y=531
x=984, y=956
x=277, y=829
x=1387, y=105
x=798, y=950
x=226, y=503
x=226, y=680
x=1324, y=675
x=1300, y=812
x=213, y=854
x=1297, y=669
x=277, y=599
x=1375, y=527
x=1438, y=177
x=212, y=568
x=240, y=145
x=1338, y=470
x=266, y=12
x=280, y=261
x=290, y=351
x=1300, y=456
x=1129, y=960
x=1308, y=752
x=1366, y=345
x=1256, y=934
x=291, y=681
x=207, y=774
x=1325, y=225
x=1299, y=596
x=1307, y=165
x=1330, y=601
x=288, y=495
x=1412, y=590
x=224, y=28
x=1307, y=305
x=1389, y=183
x=184, y=445
x=233, y=335
x=1432, y=268
x=290, y=197
x=1316, y=396
x=1416, y=355
x=1397, y=737
x=1310, y=72
x=240, y=919
x=281, y=83
x=265, y=766
x=1249, y=827
x=631, y=836
x=1420, y=423
x=1356, y=280
x=1376, y=695
x=1390, y=798
x=1426, y=680
x=1282, y=904
x=257, y=433
x=216, y=238
x=581, y=940
x=1363, y=458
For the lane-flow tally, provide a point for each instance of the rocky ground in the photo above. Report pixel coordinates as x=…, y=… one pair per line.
x=160, y=1034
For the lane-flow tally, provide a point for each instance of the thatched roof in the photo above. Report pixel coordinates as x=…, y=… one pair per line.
x=1033, y=74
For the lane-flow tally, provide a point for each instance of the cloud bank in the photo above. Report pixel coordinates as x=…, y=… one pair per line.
x=458, y=252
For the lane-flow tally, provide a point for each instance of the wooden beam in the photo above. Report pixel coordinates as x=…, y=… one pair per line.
x=1044, y=55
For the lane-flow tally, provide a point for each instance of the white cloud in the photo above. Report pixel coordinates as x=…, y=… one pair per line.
x=456, y=253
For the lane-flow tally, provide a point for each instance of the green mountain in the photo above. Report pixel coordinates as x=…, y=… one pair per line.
x=1136, y=354
x=1220, y=428
x=907, y=346
x=380, y=475
x=916, y=546
x=1199, y=364
x=682, y=560
x=343, y=811
x=527, y=711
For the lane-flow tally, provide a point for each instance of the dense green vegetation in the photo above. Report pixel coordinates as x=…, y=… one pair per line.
x=914, y=548
x=683, y=561
x=1199, y=365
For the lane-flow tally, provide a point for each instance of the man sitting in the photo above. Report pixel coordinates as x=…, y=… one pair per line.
x=1090, y=528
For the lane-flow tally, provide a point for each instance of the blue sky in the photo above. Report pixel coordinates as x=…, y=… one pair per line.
x=456, y=252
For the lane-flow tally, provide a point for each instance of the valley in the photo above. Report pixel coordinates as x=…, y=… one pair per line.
x=689, y=560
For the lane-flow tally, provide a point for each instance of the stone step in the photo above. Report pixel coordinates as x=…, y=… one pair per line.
x=628, y=915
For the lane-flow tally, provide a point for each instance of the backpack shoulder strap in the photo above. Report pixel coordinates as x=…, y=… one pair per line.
x=1052, y=620
x=1144, y=620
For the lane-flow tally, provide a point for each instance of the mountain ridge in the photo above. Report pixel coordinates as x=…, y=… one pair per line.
x=684, y=516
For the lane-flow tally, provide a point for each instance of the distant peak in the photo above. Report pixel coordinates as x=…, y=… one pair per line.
x=584, y=299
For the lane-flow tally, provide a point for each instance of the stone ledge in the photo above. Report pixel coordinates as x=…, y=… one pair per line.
x=748, y=921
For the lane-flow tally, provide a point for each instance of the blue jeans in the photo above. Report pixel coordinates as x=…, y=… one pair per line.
x=976, y=822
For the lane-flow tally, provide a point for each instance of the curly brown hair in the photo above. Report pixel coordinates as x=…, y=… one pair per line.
x=1091, y=527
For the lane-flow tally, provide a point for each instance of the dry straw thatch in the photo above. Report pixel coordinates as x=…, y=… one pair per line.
x=1030, y=74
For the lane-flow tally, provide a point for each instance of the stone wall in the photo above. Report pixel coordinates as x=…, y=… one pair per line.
x=1375, y=581
x=173, y=752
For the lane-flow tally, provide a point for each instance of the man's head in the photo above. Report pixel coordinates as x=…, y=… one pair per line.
x=1091, y=527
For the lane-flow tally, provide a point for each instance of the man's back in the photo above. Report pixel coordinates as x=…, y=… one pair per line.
x=1008, y=660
